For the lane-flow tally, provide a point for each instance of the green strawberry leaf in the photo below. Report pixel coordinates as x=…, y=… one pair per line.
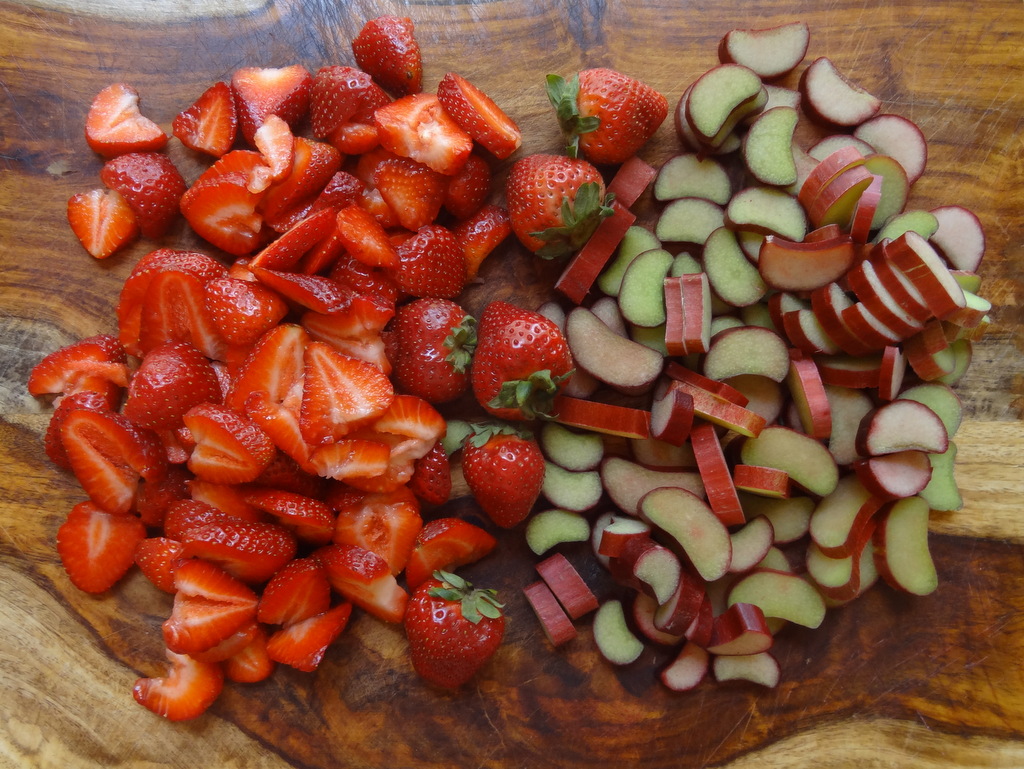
x=534, y=396
x=462, y=343
x=564, y=97
x=580, y=218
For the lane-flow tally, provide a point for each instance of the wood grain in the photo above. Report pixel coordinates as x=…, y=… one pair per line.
x=887, y=681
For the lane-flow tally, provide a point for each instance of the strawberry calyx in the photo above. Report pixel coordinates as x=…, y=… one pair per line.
x=475, y=603
x=580, y=218
x=462, y=343
x=479, y=433
x=533, y=396
x=564, y=95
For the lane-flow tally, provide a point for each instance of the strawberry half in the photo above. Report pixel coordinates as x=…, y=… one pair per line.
x=173, y=378
x=298, y=591
x=385, y=523
x=412, y=190
x=157, y=559
x=152, y=186
x=222, y=210
x=263, y=91
x=313, y=165
x=386, y=47
x=97, y=548
x=109, y=455
x=174, y=310
x=431, y=479
x=339, y=394
x=102, y=221
x=311, y=520
x=242, y=310
x=445, y=544
x=417, y=127
x=302, y=645
x=252, y=664
x=468, y=189
x=115, y=125
x=87, y=400
x=209, y=606
x=274, y=367
x=480, y=234
x=365, y=579
x=230, y=447
x=432, y=264
x=250, y=552
x=338, y=94
x=478, y=115
x=186, y=692
x=210, y=124
x=364, y=238
x=97, y=364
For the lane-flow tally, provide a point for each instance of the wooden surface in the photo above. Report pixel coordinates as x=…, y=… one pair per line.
x=885, y=682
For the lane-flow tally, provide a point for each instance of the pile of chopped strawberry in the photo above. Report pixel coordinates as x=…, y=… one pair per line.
x=259, y=436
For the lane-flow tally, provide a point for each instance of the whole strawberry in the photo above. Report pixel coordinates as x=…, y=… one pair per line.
x=453, y=629
x=555, y=203
x=521, y=362
x=430, y=345
x=504, y=469
x=605, y=115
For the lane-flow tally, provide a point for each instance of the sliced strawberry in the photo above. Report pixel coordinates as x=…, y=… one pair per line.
x=311, y=520
x=281, y=424
x=414, y=424
x=263, y=91
x=468, y=189
x=431, y=479
x=303, y=644
x=109, y=454
x=97, y=364
x=445, y=544
x=274, y=367
x=412, y=190
x=230, y=447
x=96, y=547
x=285, y=474
x=102, y=221
x=252, y=664
x=364, y=238
x=478, y=115
x=313, y=165
x=231, y=645
x=347, y=336
x=242, y=310
x=315, y=292
x=210, y=124
x=367, y=281
x=209, y=606
x=250, y=552
x=187, y=514
x=384, y=523
x=365, y=579
x=276, y=143
x=342, y=189
x=432, y=264
x=351, y=459
x=174, y=310
x=339, y=394
x=151, y=184
x=378, y=208
x=298, y=591
x=155, y=497
x=186, y=692
x=417, y=127
x=173, y=378
x=157, y=559
x=355, y=138
x=133, y=292
x=115, y=125
x=480, y=234
x=222, y=210
x=338, y=94
x=228, y=498
x=249, y=163
x=87, y=400
x=286, y=251
x=386, y=47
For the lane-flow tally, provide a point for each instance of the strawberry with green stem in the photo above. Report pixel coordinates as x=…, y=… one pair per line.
x=555, y=203
x=605, y=116
x=504, y=469
x=521, y=362
x=453, y=629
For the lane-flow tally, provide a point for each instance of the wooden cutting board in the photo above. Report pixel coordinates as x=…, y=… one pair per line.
x=885, y=682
